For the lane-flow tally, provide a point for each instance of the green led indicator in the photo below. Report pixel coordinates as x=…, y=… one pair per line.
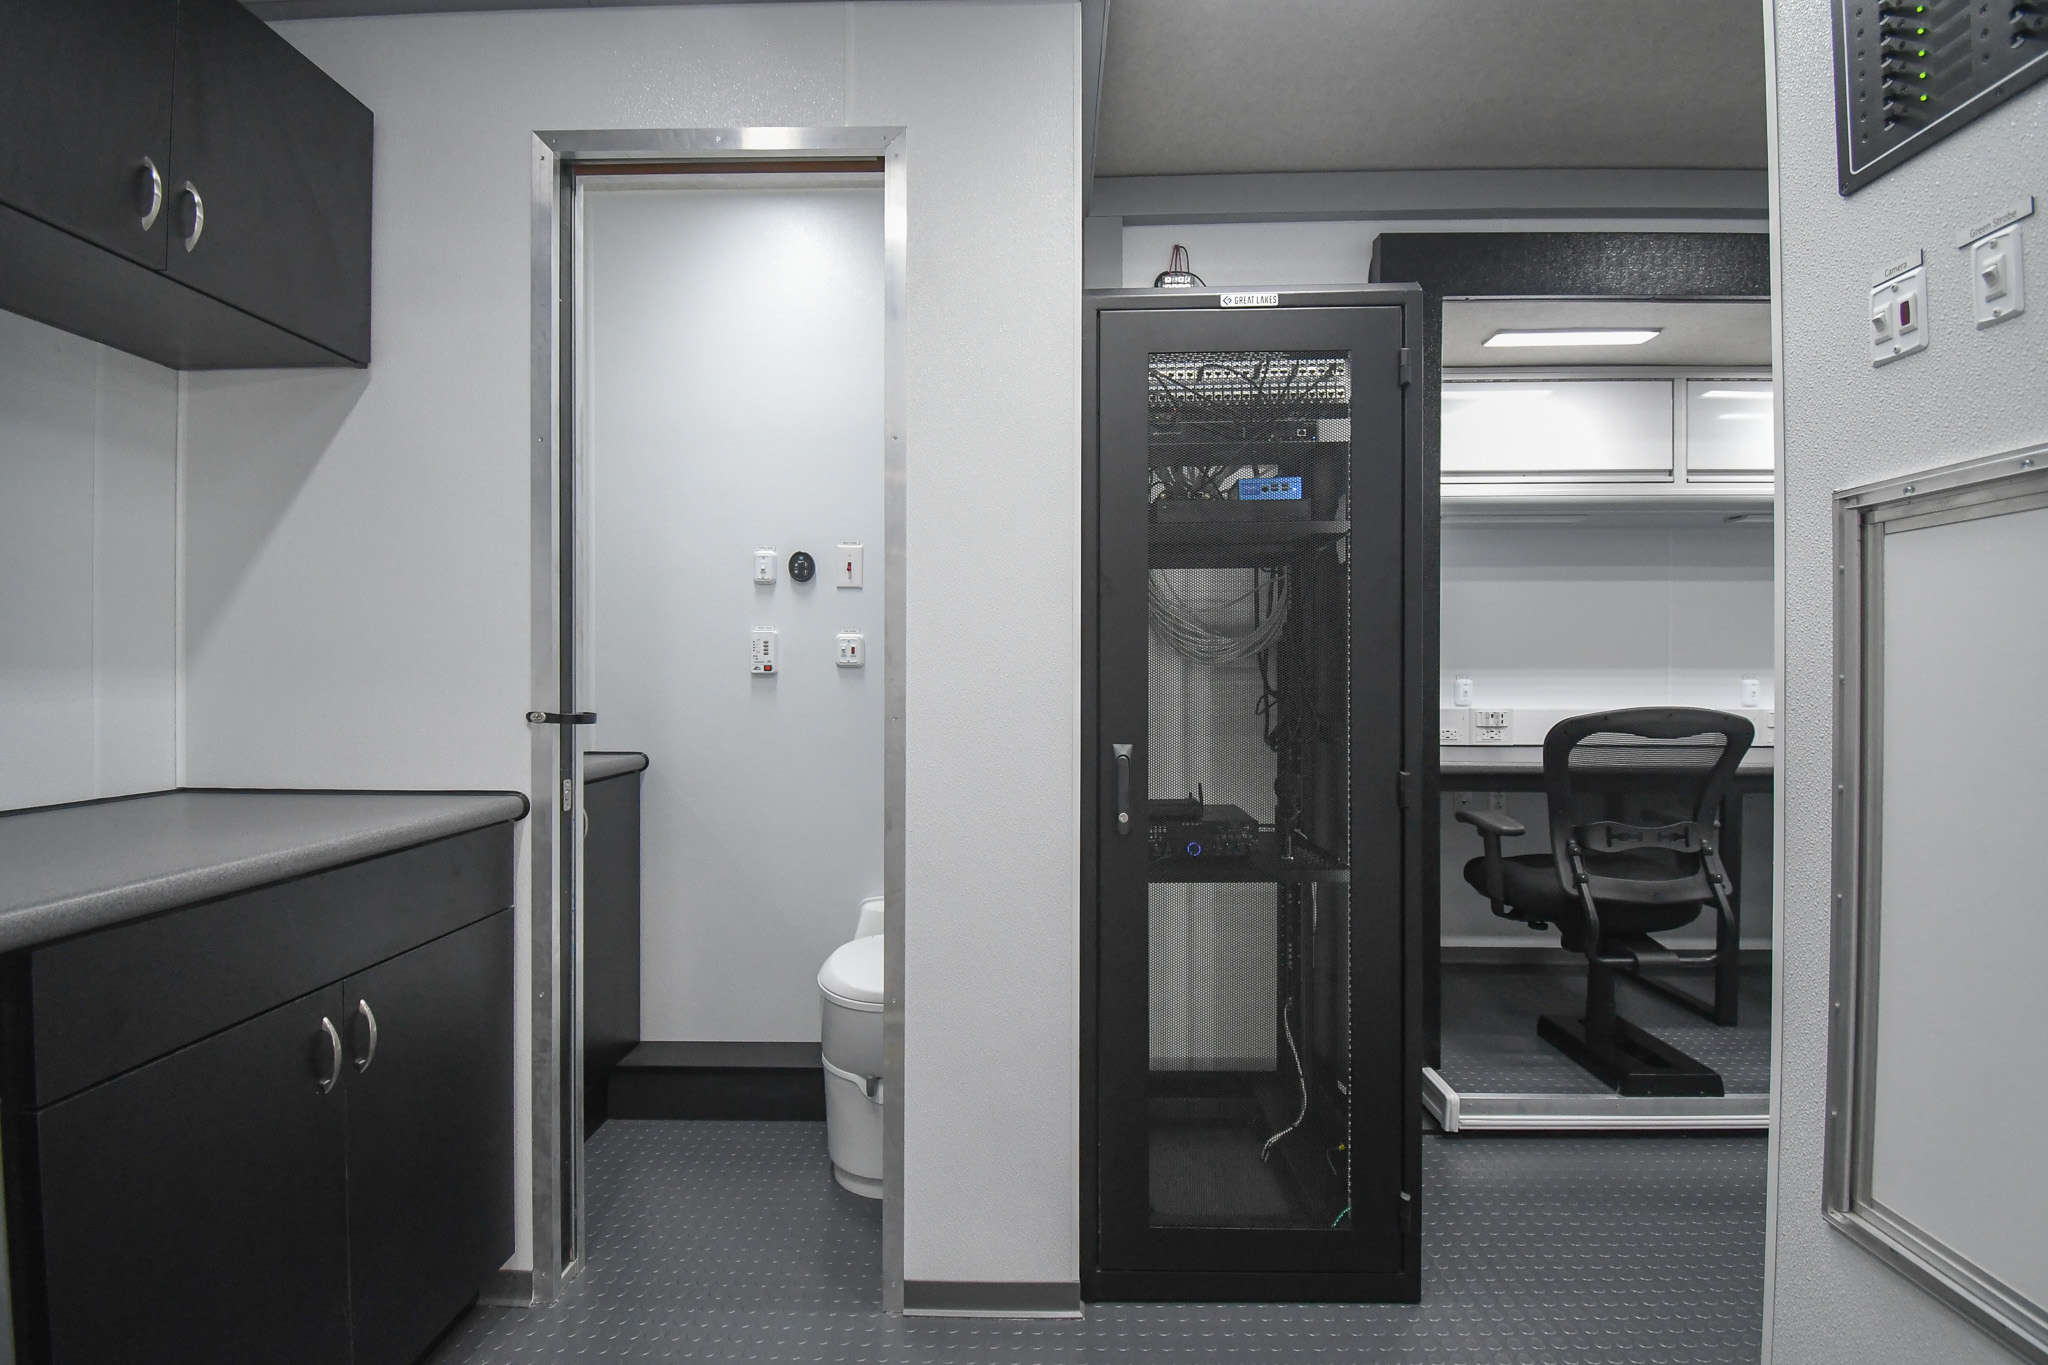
x=1921, y=77
x=1923, y=99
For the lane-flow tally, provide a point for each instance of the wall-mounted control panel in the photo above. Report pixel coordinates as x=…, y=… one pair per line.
x=764, y=650
x=1908, y=75
x=853, y=649
x=846, y=570
x=1898, y=307
x=764, y=566
x=801, y=567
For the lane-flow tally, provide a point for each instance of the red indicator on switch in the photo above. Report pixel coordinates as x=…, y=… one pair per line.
x=1905, y=312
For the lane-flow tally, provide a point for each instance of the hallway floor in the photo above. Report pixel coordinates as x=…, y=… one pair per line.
x=730, y=1242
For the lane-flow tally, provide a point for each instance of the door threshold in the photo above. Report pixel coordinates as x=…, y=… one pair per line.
x=1462, y=1112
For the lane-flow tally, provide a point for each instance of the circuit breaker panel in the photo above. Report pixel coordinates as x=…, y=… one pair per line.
x=1909, y=74
x=1256, y=482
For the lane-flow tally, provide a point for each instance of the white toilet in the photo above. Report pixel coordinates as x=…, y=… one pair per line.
x=850, y=999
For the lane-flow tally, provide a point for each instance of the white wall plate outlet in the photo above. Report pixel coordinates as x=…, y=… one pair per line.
x=1454, y=725
x=1492, y=725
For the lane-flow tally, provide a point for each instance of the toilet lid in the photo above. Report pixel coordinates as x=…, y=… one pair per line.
x=853, y=974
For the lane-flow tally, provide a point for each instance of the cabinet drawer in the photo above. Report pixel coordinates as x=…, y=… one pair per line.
x=92, y=1007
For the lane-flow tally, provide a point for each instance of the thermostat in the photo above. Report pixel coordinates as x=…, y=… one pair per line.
x=801, y=567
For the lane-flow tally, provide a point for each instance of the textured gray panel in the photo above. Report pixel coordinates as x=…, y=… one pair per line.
x=729, y=1241
x=1491, y=1047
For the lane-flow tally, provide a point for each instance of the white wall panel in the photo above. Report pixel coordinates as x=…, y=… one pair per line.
x=1844, y=423
x=88, y=526
x=733, y=373
x=990, y=94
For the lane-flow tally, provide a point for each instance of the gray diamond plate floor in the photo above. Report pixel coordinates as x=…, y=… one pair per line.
x=730, y=1242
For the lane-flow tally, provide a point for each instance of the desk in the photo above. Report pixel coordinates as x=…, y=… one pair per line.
x=1519, y=768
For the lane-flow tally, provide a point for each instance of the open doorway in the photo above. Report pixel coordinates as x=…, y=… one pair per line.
x=723, y=547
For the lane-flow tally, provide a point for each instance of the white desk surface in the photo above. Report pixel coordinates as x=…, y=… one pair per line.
x=1453, y=759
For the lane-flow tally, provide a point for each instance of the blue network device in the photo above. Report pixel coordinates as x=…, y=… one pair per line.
x=1270, y=490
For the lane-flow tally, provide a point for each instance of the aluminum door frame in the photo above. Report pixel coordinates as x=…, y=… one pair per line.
x=557, y=557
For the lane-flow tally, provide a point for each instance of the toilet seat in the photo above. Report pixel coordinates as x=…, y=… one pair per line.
x=852, y=976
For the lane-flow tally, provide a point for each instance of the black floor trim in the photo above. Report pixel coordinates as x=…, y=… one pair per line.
x=718, y=1081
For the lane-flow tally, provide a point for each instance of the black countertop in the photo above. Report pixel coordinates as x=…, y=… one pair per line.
x=68, y=870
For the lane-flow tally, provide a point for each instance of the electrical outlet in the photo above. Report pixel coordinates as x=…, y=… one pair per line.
x=1497, y=802
x=1493, y=726
x=1453, y=725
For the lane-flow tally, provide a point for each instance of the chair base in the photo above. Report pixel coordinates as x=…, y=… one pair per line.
x=1629, y=1060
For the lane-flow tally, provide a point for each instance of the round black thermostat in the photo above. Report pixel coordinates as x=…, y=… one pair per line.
x=801, y=567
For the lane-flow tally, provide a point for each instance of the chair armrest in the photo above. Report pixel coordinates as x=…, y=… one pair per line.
x=1487, y=822
x=1492, y=828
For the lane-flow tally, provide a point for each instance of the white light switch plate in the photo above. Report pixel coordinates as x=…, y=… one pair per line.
x=1998, y=284
x=847, y=570
x=1898, y=316
x=764, y=650
x=764, y=566
x=853, y=649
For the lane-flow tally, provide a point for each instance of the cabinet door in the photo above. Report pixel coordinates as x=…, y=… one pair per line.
x=278, y=159
x=195, y=1209
x=85, y=97
x=429, y=1136
x=1252, y=1136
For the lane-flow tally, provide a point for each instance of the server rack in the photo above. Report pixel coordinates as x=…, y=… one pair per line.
x=1258, y=727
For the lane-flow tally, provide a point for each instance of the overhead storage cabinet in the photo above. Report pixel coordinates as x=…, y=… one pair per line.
x=1609, y=429
x=182, y=184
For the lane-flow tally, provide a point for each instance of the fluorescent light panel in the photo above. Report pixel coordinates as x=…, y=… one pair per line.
x=1752, y=395
x=1577, y=336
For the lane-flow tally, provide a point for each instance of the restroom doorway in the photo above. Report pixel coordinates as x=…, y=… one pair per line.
x=721, y=401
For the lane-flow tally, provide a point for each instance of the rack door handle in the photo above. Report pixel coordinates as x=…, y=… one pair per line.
x=326, y=1083
x=195, y=215
x=369, y=1019
x=149, y=193
x=1123, y=786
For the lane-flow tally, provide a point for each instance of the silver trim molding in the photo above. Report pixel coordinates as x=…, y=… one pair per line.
x=1502, y=1112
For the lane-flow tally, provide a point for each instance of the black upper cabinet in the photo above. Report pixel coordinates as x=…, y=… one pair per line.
x=85, y=95
x=272, y=195
x=258, y=254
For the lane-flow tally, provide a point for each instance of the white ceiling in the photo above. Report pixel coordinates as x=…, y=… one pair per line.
x=1691, y=332
x=1204, y=86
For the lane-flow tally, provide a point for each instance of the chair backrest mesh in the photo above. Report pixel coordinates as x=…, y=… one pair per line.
x=1682, y=755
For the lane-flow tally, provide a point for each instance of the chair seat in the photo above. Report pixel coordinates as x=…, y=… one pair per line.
x=1530, y=887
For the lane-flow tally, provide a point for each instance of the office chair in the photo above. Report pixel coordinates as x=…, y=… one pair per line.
x=1608, y=884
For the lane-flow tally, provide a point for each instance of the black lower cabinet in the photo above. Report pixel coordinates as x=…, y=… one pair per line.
x=429, y=1137
x=196, y=1209
x=328, y=1181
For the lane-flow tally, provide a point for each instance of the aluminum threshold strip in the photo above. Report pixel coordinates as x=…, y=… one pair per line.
x=1482, y=1112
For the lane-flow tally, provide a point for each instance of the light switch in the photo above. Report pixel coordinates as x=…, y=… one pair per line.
x=1997, y=282
x=847, y=573
x=764, y=566
x=1752, y=692
x=1897, y=316
x=1493, y=726
x=1461, y=691
x=764, y=650
x=853, y=649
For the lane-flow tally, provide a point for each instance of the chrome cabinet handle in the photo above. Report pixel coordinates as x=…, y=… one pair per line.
x=326, y=1082
x=1123, y=786
x=196, y=214
x=149, y=193
x=370, y=1052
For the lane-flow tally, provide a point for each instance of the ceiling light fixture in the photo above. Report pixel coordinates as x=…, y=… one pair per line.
x=1515, y=394
x=1751, y=395
x=1743, y=416
x=1577, y=336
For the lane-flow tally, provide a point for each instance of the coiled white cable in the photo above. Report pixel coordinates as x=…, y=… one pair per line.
x=1189, y=636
